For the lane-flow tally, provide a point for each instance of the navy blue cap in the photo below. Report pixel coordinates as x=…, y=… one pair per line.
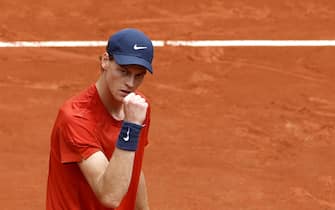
x=131, y=46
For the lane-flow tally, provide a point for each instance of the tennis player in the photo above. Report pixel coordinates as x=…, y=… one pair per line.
x=98, y=139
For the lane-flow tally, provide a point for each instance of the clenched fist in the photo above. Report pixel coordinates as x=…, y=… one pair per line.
x=135, y=108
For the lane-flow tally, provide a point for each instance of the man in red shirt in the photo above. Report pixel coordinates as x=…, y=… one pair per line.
x=98, y=139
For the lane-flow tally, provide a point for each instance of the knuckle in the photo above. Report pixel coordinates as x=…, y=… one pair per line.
x=145, y=105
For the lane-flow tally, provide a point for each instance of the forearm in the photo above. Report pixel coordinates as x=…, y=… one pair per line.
x=142, y=195
x=115, y=181
x=110, y=179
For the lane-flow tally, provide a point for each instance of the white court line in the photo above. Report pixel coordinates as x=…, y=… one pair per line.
x=252, y=43
x=175, y=43
x=156, y=43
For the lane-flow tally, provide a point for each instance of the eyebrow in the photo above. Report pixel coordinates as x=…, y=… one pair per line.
x=123, y=67
x=136, y=66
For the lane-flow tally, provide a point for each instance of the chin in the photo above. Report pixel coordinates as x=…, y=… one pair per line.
x=117, y=97
x=120, y=99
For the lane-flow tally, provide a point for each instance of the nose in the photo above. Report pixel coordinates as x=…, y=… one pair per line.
x=130, y=81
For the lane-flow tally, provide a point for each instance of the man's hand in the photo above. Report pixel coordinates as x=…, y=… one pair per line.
x=135, y=108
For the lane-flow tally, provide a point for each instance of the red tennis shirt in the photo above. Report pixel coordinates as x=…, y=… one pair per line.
x=83, y=127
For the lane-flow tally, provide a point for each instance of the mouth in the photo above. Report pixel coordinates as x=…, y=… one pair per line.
x=125, y=92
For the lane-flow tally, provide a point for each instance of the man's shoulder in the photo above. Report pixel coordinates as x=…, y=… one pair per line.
x=80, y=105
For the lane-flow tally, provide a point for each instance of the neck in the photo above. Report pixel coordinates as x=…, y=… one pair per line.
x=113, y=106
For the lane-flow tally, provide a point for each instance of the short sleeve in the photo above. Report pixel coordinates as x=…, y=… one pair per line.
x=145, y=130
x=77, y=139
x=145, y=133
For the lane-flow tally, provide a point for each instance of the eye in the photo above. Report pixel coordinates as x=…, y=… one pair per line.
x=123, y=70
x=140, y=76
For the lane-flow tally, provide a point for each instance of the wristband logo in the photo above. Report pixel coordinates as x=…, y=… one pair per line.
x=127, y=137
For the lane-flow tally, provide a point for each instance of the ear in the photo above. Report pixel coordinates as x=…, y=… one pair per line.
x=104, y=61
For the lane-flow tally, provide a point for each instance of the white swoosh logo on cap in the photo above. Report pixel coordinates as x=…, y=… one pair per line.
x=139, y=47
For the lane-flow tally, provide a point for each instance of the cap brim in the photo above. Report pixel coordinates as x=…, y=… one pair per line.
x=132, y=60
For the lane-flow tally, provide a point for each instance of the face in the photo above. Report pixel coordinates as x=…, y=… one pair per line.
x=122, y=80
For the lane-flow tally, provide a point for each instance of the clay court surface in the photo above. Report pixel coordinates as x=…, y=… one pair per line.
x=234, y=128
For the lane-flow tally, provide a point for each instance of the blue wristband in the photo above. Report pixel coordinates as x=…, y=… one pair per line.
x=129, y=136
